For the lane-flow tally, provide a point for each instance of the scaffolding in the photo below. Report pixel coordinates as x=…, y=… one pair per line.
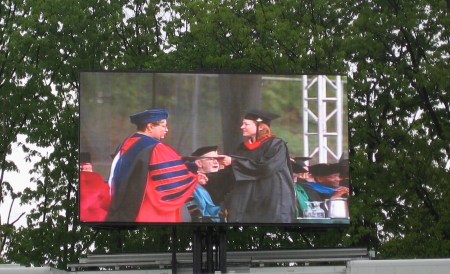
x=323, y=120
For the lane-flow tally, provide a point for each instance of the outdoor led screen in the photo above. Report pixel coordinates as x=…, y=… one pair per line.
x=212, y=148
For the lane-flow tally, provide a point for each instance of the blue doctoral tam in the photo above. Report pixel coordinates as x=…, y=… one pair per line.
x=149, y=116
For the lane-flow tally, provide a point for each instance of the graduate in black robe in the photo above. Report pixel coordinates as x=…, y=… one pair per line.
x=264, y=189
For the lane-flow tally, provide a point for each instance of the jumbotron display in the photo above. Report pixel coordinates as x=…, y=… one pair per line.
x=213, y=148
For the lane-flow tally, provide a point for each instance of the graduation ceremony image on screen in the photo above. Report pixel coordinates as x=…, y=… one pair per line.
x=213, y=148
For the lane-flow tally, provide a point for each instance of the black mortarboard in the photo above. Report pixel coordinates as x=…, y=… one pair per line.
x=260, y=116
x=85, y=157
x=149, y=116
x=324, y=169
x=203, y=150
x=298, y=165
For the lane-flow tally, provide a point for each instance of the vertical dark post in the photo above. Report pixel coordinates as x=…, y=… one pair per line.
x=209, y=249
x=216, y=251
x=120, y=242
x=118, y=247
x=222, y=250
x=174, y=250
x=197, y=250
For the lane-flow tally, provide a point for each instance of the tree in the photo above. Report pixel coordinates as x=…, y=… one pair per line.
x=23, y=95
x=399, y=126
x=46, y=43
x=395, y=52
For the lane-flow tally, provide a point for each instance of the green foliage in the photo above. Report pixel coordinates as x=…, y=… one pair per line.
x=395, y=52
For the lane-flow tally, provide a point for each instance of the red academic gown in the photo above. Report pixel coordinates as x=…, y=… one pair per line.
x=150, y=182
x=94, y=197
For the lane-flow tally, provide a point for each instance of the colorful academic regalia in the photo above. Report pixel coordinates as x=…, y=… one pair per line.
x=319, y=192
x=220, y=184
x=94, y=197
x=149, y=182
x=206, y=207
x=302, y=199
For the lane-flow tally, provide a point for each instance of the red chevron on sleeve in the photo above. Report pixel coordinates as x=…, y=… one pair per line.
x=169, y=186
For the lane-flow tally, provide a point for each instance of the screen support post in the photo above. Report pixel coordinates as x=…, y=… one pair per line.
x=213, y=241
x=174, y=249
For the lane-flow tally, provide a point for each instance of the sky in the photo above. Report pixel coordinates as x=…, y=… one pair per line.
x=19, y=181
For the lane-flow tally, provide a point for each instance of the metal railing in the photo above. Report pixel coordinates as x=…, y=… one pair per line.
x=243, y=258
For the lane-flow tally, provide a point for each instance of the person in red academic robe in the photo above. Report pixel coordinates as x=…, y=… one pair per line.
x=94, y=193
x=150, y=183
